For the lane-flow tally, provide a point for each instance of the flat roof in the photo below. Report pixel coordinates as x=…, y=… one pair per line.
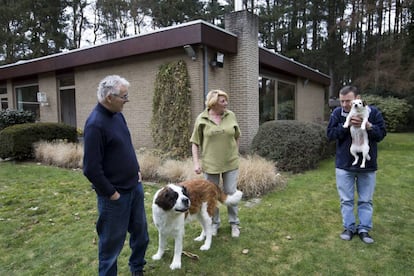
x=197, y=32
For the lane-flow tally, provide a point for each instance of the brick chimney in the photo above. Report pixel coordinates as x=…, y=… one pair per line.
x=244, y=73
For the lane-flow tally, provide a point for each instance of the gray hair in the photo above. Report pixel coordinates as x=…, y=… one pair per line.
x=110, y=85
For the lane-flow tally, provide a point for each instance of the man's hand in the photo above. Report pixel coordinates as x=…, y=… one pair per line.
x=115, y=196
x=357, y=121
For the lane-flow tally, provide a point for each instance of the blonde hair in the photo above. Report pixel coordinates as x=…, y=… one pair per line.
x=212, y=97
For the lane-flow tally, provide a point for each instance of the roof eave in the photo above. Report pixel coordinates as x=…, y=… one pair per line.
x=273, y=60
x=198, y=32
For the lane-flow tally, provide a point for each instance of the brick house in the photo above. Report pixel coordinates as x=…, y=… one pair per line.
x=262, y=85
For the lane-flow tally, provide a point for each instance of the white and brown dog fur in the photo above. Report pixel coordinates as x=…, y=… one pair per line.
x=175, y=203
x=359, y=135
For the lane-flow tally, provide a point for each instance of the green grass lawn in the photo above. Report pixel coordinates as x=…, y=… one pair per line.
x=47, y=225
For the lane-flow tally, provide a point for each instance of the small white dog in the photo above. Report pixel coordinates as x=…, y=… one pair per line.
x=175, y=203
x=359, y=134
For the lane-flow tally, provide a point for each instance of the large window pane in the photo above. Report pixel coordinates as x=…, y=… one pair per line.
x=266, y=99
x=27, y=99
x=4, y=101
x=285, y=101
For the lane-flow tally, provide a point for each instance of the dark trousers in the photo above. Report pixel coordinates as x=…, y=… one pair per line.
x=116, y=218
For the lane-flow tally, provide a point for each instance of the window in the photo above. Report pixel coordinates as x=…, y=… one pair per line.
x=27, y=98
x=266, y=100
x=4, y=104
x=276, y=100
x=285, y=101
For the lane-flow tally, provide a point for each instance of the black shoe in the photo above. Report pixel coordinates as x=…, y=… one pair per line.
x=137, y=273
x=365, y=237
x=347, y=235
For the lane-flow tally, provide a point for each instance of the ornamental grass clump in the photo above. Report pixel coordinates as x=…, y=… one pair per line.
x=59, y=153
x=258, y=176
x=177, y=170
x=149, y=162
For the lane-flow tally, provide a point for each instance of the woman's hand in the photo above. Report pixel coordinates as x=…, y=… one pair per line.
x=197, y=169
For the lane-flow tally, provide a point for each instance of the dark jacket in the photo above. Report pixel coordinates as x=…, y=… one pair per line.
x=342, y=136
x=109, y=161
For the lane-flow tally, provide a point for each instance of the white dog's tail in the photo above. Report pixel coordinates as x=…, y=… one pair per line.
x=232, y=199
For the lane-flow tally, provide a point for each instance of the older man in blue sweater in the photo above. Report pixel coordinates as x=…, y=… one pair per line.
x=110, y=164
x=351, y=177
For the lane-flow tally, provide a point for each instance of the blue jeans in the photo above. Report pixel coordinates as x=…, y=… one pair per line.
x=116, y=217
x=229, y=186
x=346, y=181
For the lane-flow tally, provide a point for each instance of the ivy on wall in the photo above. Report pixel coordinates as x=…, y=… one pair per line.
x=171, y=110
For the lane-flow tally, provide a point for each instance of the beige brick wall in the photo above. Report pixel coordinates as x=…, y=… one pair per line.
x=309, y=101
x=47, y=84
x=141, y=73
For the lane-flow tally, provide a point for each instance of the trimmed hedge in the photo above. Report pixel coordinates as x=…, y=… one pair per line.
x=11, y=117
x=395, y=111
x=294, y=146
x=17, y=141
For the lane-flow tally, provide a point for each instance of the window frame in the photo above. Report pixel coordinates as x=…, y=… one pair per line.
x=20, y=103
x=275, y=104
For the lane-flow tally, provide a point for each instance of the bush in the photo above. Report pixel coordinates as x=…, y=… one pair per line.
x=13, y=117
x=171, y=110
x=17, y=141
x=59, y=153
x=258, y=176
x=294, y=146
x=177, y=170
x=149, y=162
x=395, y=111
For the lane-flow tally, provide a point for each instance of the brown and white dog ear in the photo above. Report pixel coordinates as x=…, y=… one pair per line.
x=166, y=199
x=364, y=103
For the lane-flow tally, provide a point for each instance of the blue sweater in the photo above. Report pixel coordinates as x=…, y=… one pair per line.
x=343, y=139
x=109, y=161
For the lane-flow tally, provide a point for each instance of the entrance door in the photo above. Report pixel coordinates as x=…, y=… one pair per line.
x=68, y=107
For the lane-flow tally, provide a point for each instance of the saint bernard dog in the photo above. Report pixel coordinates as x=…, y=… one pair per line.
x=175, y=203
x=359, y=134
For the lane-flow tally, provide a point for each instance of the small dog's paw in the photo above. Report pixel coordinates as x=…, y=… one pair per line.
x=355, y=162
x=199, y=238
x=175, y=265
x=204, y=247
x=157, y=257
x=362, y=166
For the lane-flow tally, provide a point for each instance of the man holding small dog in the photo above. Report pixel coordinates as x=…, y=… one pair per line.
x=349, y=175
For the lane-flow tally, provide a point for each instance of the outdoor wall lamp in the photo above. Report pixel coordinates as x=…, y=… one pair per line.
x=218, y=60
x=190, y=52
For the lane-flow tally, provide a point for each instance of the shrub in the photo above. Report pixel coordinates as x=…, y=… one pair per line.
x=258, y=176
x=293, y=146
x=13, y=117
x=59, y=153
x=149, y=162
x=177, y=171
x=17, y=141
x=395, y=111
x=171, y=115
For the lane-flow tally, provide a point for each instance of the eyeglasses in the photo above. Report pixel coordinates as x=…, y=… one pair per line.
x=124, y=97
